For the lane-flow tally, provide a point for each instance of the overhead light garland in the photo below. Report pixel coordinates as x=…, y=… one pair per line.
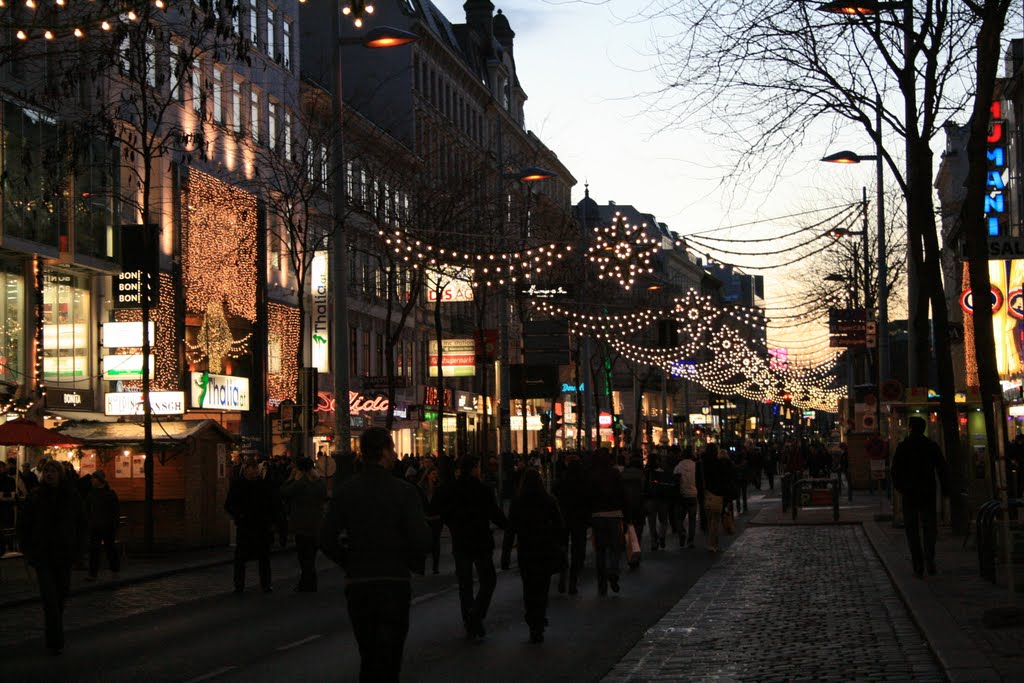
x=64, y=20
x=622, y=251
x=490, y=268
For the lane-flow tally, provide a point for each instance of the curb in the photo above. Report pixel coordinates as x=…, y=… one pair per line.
x=959, y=658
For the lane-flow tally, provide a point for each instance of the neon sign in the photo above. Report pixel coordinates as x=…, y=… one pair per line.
x=357, y=403
x=995, y=186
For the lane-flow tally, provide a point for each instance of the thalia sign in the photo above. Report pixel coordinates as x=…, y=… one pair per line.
x=219, y=392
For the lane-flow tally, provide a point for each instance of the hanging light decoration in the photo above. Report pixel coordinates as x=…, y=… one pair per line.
x=622, y=251
x=73, y=21
x=357, y=9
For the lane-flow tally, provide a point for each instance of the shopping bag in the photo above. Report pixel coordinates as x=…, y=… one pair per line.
x=728, y=522
x=632, y=544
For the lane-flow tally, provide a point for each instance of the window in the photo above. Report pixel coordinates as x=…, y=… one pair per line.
x=197, y=88
x=254, y=114
x=349, y=180
x=286, y=45
x=380, y=355
x=66, y=308
x=218, y=94
x=270, y=32
x=272, y=125
x=125, y=51
x=311, y=167
x=235, y=12
x=287, y=133
x=150, y=63
x=366, y=352
x=236, y=105
x=325, y=161
x=174, y=64
x=253, y=34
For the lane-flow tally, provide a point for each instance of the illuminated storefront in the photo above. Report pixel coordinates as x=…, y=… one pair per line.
x=66, y=320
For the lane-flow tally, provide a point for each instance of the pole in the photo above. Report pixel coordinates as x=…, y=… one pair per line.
x=883, y=266
x=339, y=257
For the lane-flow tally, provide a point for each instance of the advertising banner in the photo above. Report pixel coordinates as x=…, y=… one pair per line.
x=219, y=392
x=319, y=312
x=130, y=403
x=449, y=285
x=458, y=357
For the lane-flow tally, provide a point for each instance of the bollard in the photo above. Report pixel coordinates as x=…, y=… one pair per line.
x=785, y=486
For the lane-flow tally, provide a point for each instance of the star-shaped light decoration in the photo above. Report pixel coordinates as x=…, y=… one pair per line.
x=622, y=251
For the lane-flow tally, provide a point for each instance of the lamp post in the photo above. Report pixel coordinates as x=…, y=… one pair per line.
x=379, y=38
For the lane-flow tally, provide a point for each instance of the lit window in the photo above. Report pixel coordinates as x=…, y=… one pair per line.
x=218, y=95
x=272, y=125
x=197, y=89
x=236, y=105
x=253, y=31
x=174, y=64
x=286, y=45
x=287, y=132
x=254, y=114
x=270, y=32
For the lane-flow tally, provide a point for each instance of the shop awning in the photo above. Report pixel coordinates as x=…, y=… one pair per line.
x=166, y=434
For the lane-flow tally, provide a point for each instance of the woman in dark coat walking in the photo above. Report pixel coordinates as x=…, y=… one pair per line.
x=571, y=492
x=607, y=499
x=430, y=487
x=306, y=494
x=51, y=529
x=535, y=519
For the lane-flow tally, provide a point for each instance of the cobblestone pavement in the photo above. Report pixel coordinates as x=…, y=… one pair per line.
x=786, y=604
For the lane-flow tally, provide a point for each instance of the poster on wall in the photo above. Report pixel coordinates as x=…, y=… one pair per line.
x=138, y=466
x=123, y=466
x=87, y=464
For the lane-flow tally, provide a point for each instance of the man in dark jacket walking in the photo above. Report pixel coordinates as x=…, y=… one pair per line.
x=571, y=492
x=50, y=531
x=103, y=510
x=306, y=493
x=255, y=506
x=916, y=464
x=382, y=518
x=468, y=508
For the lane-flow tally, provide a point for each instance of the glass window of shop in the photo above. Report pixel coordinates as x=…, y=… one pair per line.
x=93, y=204
x=12, y=324
x=33, y=179
x=66, y=307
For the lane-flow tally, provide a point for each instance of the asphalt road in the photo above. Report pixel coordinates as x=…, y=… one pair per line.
x=207, y=633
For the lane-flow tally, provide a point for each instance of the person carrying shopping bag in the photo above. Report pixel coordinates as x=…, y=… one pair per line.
x=719, y=480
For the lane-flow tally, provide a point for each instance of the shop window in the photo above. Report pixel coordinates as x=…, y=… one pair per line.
x=66, y=348
x=33, y=181
x=12, y=325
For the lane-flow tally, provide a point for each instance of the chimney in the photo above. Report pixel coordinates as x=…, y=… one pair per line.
x=479, y=17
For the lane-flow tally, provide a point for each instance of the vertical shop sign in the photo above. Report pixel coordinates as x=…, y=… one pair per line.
x=319, y=311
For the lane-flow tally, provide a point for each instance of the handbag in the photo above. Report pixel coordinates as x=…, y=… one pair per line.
x=632, y=543
x=728, y=522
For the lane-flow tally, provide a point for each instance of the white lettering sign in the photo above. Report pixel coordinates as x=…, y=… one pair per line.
x=125, y=335
x=319, y=312
x=125, y=367
x=219, y=392
x=160, y=403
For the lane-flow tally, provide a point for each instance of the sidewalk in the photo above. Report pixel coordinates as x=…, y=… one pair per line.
x=948, y=608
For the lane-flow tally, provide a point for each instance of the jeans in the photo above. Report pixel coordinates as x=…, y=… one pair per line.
x=106, y=538
x=714, y=515
x=688, y=515
x=474, y=609
x=657, y=520
x=920, y=519
x=608, y=547
x=54, y=584
x=576, y=535
x=305, y=548
x=379, y=611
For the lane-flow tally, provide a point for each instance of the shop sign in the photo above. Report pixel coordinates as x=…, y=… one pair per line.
x=449, y=285
x=535, y=292
x=125, y=367
x=1015, y=304
x=219, y=392
x=458, y=357
x=967, y=300
x=401, y=412
x=1016, y=411
x=357, y=403
x=430, y=397
x=466, y=402
x=125, y=335
x=604, y=420
x=128, y=291
x=995, y=185
x=319, y=311
x=130, y=403
x=381, y=382
x=568, y=388
x=68, y=399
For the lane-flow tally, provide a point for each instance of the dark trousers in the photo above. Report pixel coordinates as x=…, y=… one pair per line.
x=107, y=539
x=771, y=479
x=305, y=548
x=436, y=525
x=657, y=520
x=379, y=611
x=576, y=536
x=54, y=584
x=608, y=547
x=262, y=557
x=920, y=519
x=689, y=514
x=474, y=608
x=536, y=585
x=741, y=504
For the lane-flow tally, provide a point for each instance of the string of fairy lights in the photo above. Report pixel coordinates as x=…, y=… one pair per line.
x=622, y=251
x=61, y=19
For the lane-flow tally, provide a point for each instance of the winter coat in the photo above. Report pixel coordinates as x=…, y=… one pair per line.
x=571, y=492
x=468, y=508
x=51, y=525
x=634, y=484
x=719, y=477
x=305, y=498
x=916, y=465
x=537, y=522
x=382, y=519
x=605, y=489
x=103, y=509
x=255, y=507
x=686, y=470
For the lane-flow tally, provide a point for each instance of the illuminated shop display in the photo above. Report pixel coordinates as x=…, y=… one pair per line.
x=12, y=324
x=282, y=351
x=165, y=373
x=65, y=318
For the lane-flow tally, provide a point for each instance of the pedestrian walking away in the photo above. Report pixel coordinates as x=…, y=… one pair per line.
x=430, y=489
x=686, y=472
x=51, y=527
x=468, y=509
x=534, y=518
x=571, y=492
x=103, y=511
x=607, y=500
x=385, y=532
x=719, y=486
x=256, y=508
x=305, y=494
x=916, y=466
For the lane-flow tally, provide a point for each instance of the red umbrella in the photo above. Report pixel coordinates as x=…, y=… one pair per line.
x=22, y=432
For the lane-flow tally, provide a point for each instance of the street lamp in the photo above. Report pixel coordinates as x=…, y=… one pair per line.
x=382, y=37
